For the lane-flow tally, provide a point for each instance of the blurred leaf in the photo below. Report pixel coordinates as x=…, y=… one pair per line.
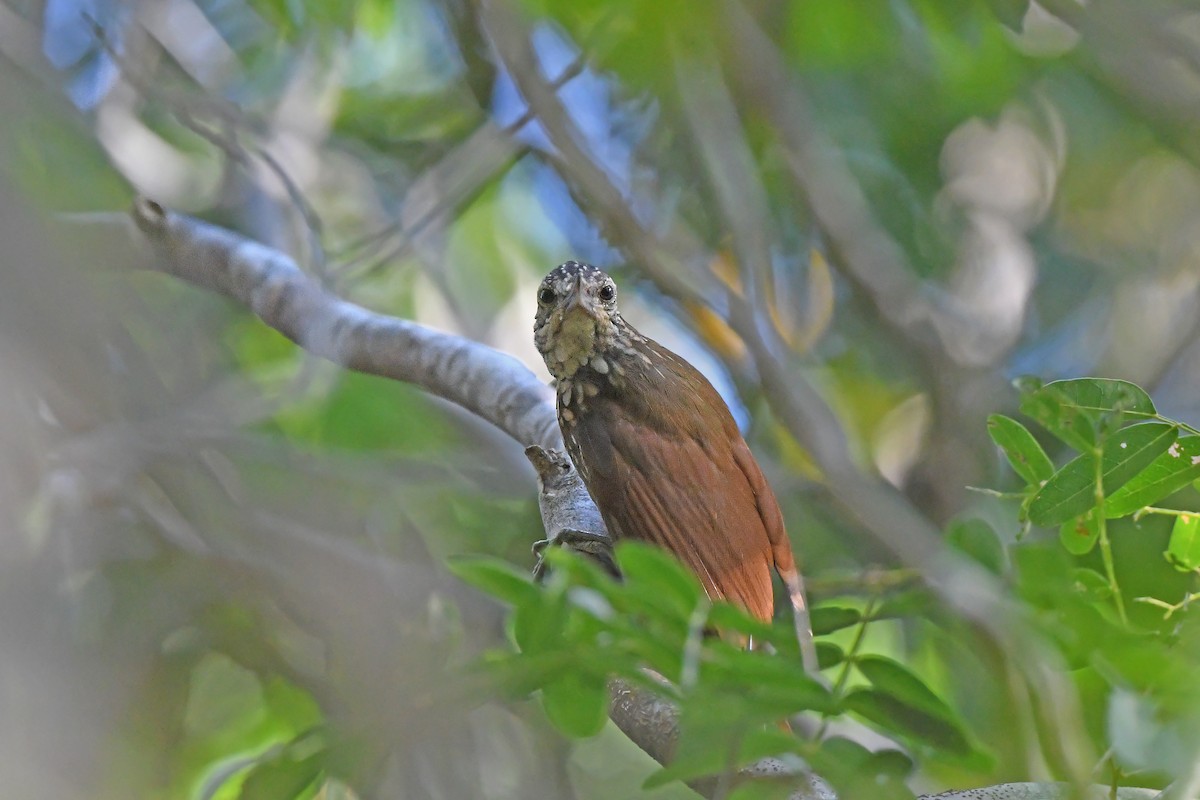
x=1167, y=474
x=977, y=68
x=841, y=35
x=284, y=775
x=1020, y=448
x=729, y=618
x=655, y=576
x=576, y=703
x=827, y=619
x=516, y=676
x=1092, y=583
x=856, y=772
x=1071, y=491
x=224, y=697
x=258, y=347
x=539, y=626
x=771, y=686
x=363, y=412
x=911, y=602
x=1079, y=535
x=893, y=679
x=702, y=753
x=760, y=790
x=890, y=762
x=294, y=16
x=1183, y=550
x=498, y=578
x=390, y=118
x=975, y=538
x=913, y=724
x=829, y=655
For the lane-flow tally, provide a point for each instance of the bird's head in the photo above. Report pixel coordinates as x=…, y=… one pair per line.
x=577, y=317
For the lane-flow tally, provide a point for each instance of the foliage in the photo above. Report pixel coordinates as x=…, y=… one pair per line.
x=582, y=628
x=655, y=629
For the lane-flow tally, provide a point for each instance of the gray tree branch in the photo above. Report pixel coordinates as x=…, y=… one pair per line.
x=491, y=384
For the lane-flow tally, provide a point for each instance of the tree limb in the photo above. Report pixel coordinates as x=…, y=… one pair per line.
x=489, y=383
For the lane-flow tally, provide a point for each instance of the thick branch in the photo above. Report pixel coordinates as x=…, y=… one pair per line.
x=491, y=384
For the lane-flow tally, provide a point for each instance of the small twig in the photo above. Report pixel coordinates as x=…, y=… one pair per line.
x=1167, y=512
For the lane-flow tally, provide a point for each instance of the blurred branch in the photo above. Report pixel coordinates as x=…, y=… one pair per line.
x=1146, y=56
x=874, y=263
x=446, y=186
x=224, y=138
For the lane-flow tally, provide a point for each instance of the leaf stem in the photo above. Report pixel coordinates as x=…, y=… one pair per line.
x=1171, y=512
x=1171, y=608
x=1102, y=532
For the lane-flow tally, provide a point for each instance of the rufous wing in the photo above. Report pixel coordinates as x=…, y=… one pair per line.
x=686, y=494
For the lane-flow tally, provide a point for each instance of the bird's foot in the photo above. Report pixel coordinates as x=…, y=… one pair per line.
x=596, y=546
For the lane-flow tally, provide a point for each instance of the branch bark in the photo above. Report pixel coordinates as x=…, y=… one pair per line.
x=489, y=383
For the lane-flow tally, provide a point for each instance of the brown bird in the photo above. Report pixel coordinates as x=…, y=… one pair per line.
x=659, y=450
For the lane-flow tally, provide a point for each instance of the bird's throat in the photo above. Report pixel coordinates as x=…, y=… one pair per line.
x=574, y=344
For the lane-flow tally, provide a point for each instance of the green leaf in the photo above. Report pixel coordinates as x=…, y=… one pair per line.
x=1068, y=494
x=1183, y=550
x=890, y=762
x=1071, y=491
x=577, y=703
x=1020, y=448
x=827, y=619
x=1079, y=535
x=709, y=750
x=728, y=618
x=1092, y=584
x=893, y=679
x=538, y=627
x=769, y=685
x=284, y=776
x=657, y=578
x=1074, y=410
x=908, y=603
x=517, y=676
x=855, y=771
x=497, y=578
x=1167, y=474
x=829, y=655
x=914, y=724
x=223, y=697
x=975, y=538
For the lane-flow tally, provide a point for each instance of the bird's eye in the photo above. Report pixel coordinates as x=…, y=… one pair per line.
x=546, y=295
x=608, y=292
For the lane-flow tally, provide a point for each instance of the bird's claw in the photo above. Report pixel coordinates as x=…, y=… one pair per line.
x=594, y=545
